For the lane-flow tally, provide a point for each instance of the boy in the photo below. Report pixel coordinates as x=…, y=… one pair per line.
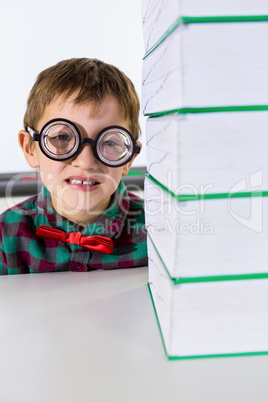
x=81, y=130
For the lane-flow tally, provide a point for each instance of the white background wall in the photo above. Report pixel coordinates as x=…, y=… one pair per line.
x=37, y=34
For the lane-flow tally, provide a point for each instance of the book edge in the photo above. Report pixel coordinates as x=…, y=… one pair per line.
x=188, y=357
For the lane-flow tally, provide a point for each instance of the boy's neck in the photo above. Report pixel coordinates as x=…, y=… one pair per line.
x=82, y=217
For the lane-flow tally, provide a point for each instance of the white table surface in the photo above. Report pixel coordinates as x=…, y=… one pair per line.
x=94, y=337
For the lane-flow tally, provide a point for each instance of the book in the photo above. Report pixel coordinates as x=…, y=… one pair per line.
x=204, y=65
x=159, y=16
x=209, y=152
x=212, y=236
x=206, y=319
x=204, y=91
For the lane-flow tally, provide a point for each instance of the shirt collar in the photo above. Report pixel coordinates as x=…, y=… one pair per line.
x=108, y=224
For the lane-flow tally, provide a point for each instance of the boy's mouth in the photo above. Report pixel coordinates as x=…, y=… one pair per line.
x=85, y=183
x=89, y=182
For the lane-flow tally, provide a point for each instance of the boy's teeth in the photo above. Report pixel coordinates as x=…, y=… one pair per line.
x=86, y=183
x=74, y=181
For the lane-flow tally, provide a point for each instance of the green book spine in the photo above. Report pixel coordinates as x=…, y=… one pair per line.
x=215, y=109
x=196, y=197
x=207, y=20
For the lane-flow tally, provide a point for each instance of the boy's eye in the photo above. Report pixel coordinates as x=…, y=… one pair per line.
x=110, y=143
x=59, y=143
x=60, y=138
x=112, y=140
x=59, y=135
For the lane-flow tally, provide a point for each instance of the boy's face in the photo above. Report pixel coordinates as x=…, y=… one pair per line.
x=82, y=203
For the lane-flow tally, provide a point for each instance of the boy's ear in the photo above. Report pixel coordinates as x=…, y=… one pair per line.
x=128, y=165
x=28, y=148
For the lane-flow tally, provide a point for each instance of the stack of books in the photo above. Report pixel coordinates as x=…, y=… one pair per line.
x=205, y=93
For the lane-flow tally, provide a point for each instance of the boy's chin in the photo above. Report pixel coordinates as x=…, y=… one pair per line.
x=81, y=210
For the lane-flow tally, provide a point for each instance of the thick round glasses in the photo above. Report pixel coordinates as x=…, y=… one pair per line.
x=60, y=139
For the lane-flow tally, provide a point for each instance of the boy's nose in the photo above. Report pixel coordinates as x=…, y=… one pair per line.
x=85, y=158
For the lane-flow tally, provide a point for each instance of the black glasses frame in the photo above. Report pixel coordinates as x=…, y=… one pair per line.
x=81, y=141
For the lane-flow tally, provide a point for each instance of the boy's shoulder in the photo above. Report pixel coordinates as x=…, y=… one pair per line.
x=17, y=215
x=36, y=205
x=29, y=204
x=135, y=202
x=136, y=209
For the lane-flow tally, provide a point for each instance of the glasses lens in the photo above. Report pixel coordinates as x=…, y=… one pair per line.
x=60, y=140
x=115, y=146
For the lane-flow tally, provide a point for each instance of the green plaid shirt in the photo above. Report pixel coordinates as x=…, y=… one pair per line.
x=21, y=251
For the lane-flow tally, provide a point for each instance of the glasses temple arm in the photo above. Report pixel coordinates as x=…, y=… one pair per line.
x=137, y=149
x=35, y=135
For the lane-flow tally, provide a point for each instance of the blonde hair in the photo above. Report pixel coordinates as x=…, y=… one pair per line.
x=91, y=80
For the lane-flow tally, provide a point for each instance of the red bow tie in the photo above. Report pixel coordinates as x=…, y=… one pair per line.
x=96, y=243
